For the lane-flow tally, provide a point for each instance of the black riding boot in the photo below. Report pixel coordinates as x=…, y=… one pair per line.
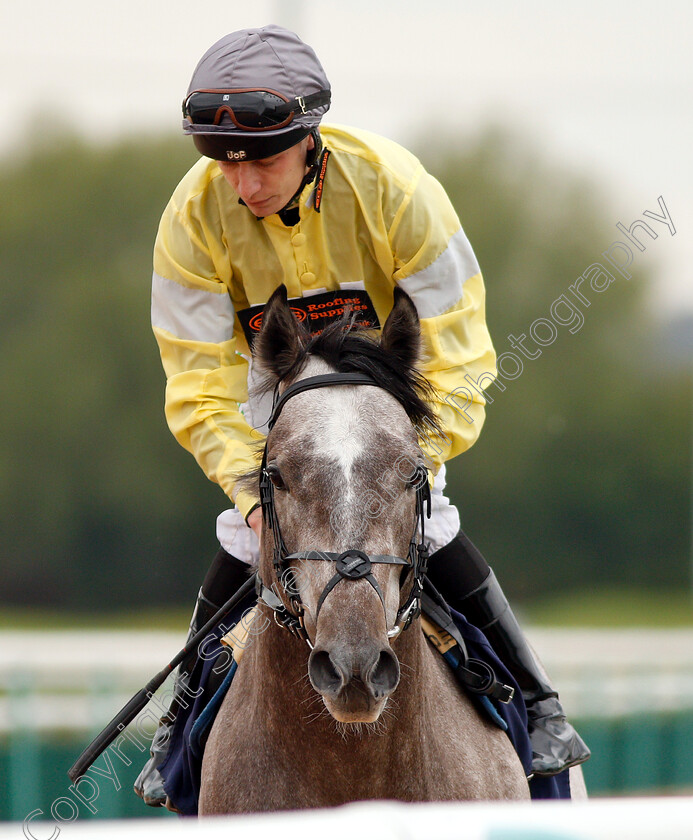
x=224, y=577
x=464, y=578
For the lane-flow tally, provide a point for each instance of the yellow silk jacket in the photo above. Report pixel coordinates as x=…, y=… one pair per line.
x=382, y=221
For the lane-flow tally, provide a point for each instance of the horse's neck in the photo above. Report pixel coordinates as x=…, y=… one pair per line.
x=278, y=656
x=419, y=688
x=280, y=662
x=430, y=746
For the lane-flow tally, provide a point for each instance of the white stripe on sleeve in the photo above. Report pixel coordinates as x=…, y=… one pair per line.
x=438, y=287
x=191, y=314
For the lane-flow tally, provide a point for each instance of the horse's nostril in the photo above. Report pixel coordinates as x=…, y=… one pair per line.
x=324, y=674
x=383, y=677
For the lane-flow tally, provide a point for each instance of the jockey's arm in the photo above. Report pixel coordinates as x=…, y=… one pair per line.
x=437, y=267
x=193, y=320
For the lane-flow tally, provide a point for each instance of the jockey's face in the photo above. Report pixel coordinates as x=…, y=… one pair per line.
x=266, y=185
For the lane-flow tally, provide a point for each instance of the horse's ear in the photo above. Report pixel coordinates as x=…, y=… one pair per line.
x=401, y=336
x=281, y=339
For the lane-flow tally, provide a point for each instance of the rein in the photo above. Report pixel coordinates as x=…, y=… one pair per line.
x=352, y=564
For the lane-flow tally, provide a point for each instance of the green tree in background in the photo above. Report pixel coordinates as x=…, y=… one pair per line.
x=579, y=476
x=100, y=507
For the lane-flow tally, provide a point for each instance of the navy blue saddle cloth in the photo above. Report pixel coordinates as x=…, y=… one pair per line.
x=182, y=766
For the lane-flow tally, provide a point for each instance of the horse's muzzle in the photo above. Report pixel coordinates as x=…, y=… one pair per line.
x=354, y=683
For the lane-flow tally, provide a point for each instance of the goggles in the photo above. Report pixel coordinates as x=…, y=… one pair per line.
x=250, y=109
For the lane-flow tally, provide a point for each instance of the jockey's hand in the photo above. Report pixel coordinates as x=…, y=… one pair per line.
x=255, y=521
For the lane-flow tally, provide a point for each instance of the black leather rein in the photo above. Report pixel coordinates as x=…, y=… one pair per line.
x=352, y=564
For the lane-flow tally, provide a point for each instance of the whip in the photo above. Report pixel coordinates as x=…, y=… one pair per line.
x=135, y=705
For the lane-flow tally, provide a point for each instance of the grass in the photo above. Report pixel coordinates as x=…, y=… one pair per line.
x=613, y=608
x=588, y=608
x=157, y=619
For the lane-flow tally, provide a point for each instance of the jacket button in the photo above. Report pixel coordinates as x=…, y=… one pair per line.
x=307, y=278
x=298, y=239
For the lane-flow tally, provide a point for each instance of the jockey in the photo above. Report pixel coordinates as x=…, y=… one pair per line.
x=340, y=216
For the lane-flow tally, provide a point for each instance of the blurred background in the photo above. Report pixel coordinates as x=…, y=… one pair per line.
x=548, y=124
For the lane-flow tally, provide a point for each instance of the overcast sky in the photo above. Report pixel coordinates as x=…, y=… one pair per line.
x=605, y=86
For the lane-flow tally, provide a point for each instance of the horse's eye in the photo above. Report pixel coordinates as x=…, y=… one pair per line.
x=275, y=476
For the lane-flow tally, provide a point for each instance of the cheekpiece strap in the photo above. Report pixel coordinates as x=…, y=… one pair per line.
x=351, y=564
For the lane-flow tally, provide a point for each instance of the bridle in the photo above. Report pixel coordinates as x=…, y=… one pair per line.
x=352, y=564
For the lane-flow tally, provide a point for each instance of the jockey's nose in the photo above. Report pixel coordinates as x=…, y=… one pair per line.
x=249, y=181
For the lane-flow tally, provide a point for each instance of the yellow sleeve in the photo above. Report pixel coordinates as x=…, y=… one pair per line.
x=193, y=319
x=436, y=266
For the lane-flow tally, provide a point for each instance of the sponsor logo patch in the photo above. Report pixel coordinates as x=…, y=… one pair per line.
x=316, y=312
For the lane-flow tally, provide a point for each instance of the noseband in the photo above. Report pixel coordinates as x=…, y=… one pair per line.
x=352, y=564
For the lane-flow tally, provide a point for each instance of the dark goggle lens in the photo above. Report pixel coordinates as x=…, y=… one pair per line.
x=251, y=109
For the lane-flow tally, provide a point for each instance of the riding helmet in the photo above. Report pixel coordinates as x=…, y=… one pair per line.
x=255, y=93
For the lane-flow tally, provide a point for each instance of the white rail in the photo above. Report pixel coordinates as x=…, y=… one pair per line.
x=78, y=679
x=607, y=819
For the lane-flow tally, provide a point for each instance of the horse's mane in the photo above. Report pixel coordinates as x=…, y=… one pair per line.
x=349, y=347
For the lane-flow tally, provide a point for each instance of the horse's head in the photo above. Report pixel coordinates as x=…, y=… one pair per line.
x=343, y=461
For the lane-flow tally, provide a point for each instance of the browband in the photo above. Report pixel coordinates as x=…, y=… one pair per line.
x=317, y=382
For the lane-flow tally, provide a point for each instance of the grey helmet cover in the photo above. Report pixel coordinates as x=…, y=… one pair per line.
x=269, y=58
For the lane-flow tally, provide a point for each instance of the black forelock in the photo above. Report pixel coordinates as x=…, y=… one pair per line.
x=349, y=347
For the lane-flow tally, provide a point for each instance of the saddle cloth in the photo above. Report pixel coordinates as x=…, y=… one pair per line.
x=181, y=768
